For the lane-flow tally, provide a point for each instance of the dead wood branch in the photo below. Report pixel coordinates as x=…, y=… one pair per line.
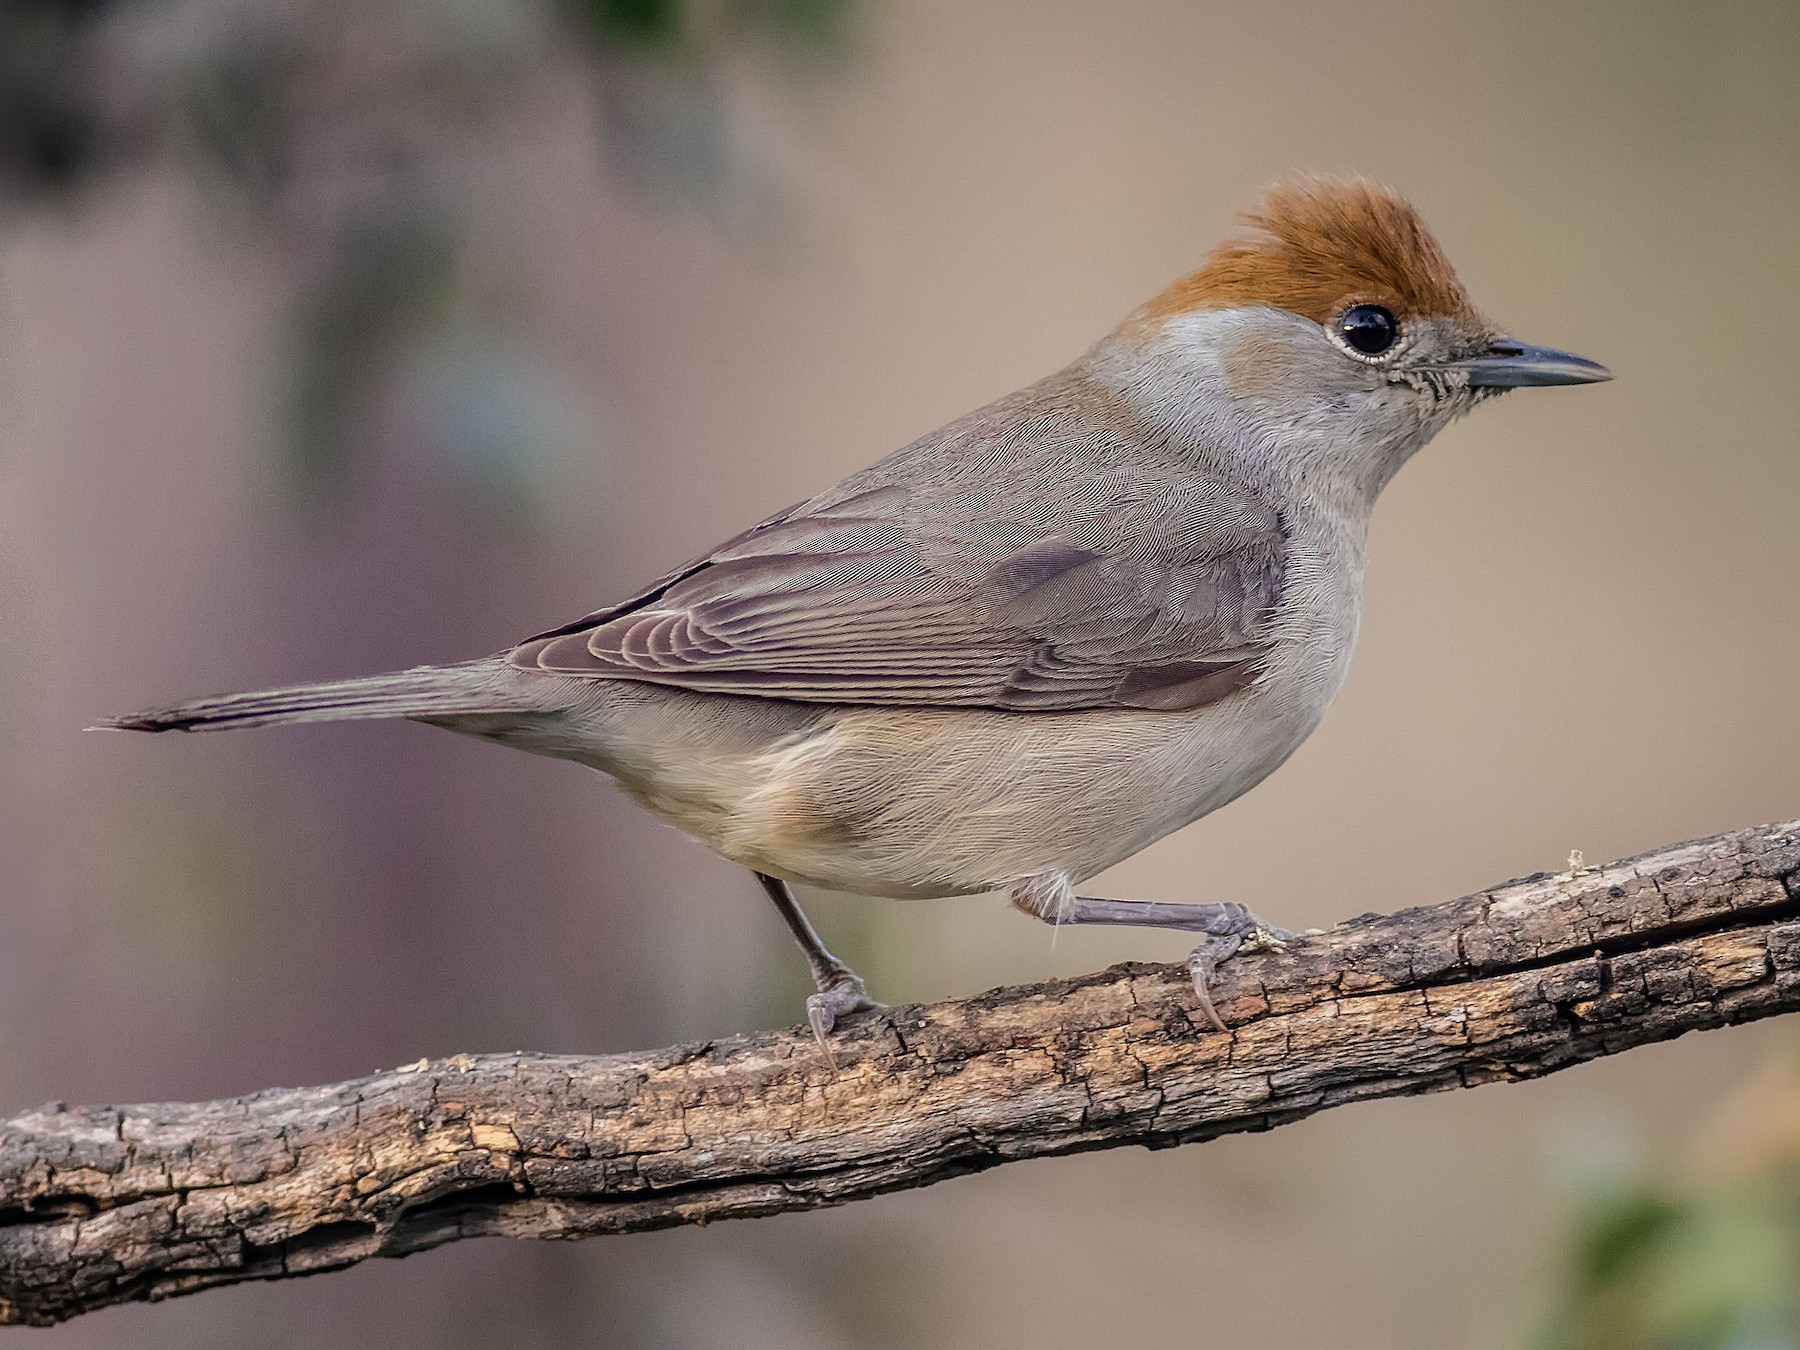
x=105, y=1204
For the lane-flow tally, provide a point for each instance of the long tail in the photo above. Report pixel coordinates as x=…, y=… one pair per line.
x=489, y=686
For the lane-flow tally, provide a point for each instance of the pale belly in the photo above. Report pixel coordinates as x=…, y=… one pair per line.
x=919, y=803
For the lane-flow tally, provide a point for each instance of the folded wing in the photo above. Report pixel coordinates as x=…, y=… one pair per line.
x=959, y=575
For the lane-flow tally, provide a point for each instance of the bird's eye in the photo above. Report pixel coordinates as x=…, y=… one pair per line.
x=1370, y=329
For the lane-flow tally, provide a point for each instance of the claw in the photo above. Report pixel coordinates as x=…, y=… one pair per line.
x=1206, y=1003
x=1202, y=962
x=840, y=999
x=821, y=1019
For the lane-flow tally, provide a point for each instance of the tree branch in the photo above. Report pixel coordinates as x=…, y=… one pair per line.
x=107, y=1204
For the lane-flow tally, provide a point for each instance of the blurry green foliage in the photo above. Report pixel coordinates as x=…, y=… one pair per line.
x=50, y=136
x=1710, y=1260
x=349, y=134
x=655, y=23
x=390, y=275
x=1652, y=1268
x=668, y=25
x=234, y=107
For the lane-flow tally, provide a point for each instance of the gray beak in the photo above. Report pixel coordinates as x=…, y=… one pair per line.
x=1513, y=365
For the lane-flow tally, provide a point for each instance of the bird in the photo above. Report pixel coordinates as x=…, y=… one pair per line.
x=1030, y=643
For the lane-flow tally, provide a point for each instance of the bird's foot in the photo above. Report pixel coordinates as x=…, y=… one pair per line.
x=1204, y=960
x=839, y=995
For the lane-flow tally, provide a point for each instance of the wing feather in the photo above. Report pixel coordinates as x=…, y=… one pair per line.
x=971, y=569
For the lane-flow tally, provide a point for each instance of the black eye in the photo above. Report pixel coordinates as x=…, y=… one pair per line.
x=1370, y=329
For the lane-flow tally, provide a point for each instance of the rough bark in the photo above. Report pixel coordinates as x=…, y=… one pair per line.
x=106, y=1204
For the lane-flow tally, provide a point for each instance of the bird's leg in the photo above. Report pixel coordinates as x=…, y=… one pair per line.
x=1229, y=927
x=841, y=990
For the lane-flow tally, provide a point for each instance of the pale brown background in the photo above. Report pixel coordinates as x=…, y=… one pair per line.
x=1580, y=633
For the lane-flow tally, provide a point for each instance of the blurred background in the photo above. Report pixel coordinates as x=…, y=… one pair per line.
x=337, y=337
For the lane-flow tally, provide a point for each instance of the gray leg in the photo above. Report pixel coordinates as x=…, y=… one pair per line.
x=840, y=988
x=1229, y=927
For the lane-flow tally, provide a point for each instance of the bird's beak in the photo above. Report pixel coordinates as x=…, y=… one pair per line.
x=1513, y=365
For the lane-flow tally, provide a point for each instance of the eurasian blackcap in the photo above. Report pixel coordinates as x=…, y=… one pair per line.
x=1033, y=641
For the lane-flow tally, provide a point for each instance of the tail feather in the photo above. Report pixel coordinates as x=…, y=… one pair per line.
x=488, y=686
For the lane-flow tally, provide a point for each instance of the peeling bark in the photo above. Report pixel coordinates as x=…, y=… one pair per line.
x=101, y=1205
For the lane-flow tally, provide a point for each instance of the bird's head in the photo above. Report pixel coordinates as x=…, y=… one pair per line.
x=1336, y=329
